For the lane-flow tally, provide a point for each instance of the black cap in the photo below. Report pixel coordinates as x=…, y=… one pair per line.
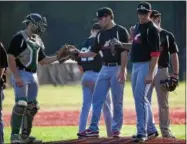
x=155, y=13
x=144, y=7
x=104, y=12
x=96, y=26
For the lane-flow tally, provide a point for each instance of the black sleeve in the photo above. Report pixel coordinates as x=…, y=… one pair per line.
x=153, y=40
x=78, y=61
x=41, y=54
x=123, y=35
x=3, y=56
x=96, y=46
x=17, y=45
x=173, y=48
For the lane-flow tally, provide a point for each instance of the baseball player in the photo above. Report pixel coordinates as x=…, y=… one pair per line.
x=3, y=66
x=112, y=74
x=168, y=49
x=144, y=56
x=25, y=51
x=90, y=67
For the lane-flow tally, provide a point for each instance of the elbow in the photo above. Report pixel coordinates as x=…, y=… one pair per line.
x=174, y=54
x=43, y=63
x=94, y=54
x=10, y=59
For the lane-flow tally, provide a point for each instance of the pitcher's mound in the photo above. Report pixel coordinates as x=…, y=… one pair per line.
x=121, y=140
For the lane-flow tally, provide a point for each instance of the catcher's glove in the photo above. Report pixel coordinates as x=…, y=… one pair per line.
x=67, y=52
x=170, y=84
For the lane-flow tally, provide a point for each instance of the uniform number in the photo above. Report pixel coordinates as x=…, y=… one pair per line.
x=84, y=49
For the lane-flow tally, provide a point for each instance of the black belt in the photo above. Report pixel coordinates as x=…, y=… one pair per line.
x=28, y=70
x=111, y=64
x=92, y=70
x=161, y=67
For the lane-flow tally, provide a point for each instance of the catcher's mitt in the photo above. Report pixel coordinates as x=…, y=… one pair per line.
x=170, y=84
x=67, y=52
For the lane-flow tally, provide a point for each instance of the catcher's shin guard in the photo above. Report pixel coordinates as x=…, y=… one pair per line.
x=31, y=111
x=17, y=115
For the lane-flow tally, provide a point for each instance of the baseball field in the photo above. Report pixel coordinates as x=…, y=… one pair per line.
x=60, y=107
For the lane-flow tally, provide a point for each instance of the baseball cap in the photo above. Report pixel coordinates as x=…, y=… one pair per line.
x=155, y=13
x=96, y=26
x=144, y=7
x=104, y=12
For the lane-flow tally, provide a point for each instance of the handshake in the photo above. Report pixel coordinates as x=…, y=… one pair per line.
x=66, y=52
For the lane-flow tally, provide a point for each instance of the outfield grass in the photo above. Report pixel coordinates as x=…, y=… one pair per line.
x=69, y=132
x=70, y=97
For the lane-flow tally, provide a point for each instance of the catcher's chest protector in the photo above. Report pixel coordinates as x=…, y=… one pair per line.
x=29, y=57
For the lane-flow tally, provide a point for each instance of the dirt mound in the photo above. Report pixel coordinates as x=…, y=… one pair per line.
x=122, y=140
x=71, y=118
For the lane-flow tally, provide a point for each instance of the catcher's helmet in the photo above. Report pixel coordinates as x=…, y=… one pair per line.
x=37, y=20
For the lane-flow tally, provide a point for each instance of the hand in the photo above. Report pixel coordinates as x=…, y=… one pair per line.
x=19, y=81
x=174, y=75
x=149, y=79
x=131, y=29
x=121, y=76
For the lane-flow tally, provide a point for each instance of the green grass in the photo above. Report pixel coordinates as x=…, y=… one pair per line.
x=69, y=132
x=70, y=97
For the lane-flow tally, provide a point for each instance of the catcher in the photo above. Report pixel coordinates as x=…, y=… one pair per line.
x=165, y=83
x=26, y=50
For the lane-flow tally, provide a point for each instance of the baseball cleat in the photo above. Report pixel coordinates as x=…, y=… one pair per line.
x=150, y=135
x=140, y=138
x=88, y=133
x=29, y=139
x=15, y=139
x=169, y=136
x=153, y=135
x=115, y=134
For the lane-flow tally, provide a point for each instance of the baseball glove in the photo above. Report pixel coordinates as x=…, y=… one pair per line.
x=67, y=52
x=170, y=84
x=116, y=44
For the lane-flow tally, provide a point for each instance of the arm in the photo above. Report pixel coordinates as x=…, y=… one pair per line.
x=153, y=63
x=132, y=29
x=44, y=60
x=15, y=48
x=87, y=54
x=173, y=49
x=48, y=60
x=124, y=38
x=1, y=72
x=78, y=60
x=3, y=60
x=12, y=65
x=124, y=61
x=153, y=40
x=80, y=69
x=94, y=49
x=175, y=63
